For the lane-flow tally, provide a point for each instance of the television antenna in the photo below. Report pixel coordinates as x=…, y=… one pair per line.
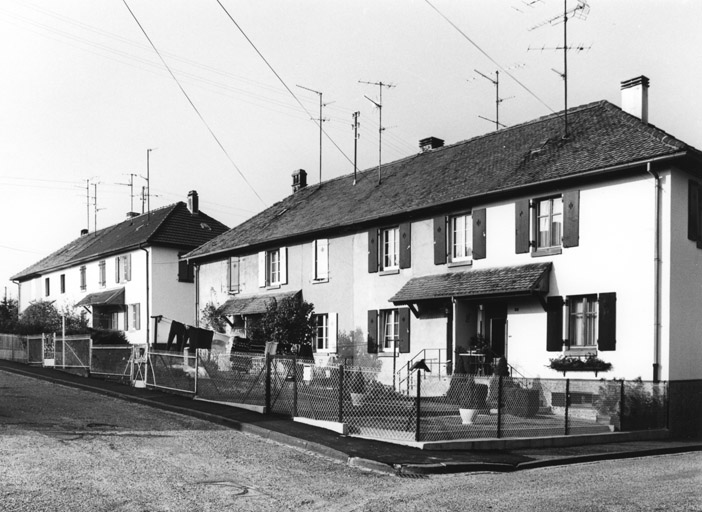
x=356, y=135
x=96, y=209
x=379, y=106
x=131, y=189
x=580, y=11
x=498, y=100
x=320, y=121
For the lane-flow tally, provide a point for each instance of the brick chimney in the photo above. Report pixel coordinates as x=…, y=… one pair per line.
x=635, y=97
x=430, y=143
x=193, y=202
x=299, y=179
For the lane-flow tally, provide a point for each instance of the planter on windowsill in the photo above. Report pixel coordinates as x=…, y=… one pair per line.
x=590, y=363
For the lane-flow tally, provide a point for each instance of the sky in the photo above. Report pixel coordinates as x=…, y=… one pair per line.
x=87, y=104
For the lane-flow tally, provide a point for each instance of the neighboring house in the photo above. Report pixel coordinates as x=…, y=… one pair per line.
x=126, y=273
x=543, y=244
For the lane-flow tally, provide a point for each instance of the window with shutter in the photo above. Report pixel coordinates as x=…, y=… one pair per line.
x=461, y=238
x=440, y=240
x=405, y=241
x=607, y=325
x=372, y=250
x=321, y=260
x=571, y=218
x=372, y=331
x=582, y=322
x=404, y=330
x=233, y=275
x=521, y=224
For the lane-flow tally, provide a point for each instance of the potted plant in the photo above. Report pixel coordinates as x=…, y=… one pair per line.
x=591, y=363
x=471, y=400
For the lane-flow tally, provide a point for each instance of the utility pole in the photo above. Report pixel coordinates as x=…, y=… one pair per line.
x=379, y=105
x=355, y=125
x=320, y=121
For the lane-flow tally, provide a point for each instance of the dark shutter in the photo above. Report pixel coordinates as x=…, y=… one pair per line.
x=607, y=317
x=479, y=233
x=693, y=208
x=571, y=218
x=404, y=334
x=439, y=240
x=521, y=226
x=372, y=331
x=372, y=250
x=406, y=245
x=554, y=324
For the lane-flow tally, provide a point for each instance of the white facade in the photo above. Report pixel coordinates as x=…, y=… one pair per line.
x=615, y=254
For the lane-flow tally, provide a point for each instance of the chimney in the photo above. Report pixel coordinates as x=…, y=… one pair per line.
x=430, y=143
x=193, y=202
x=299, y=179
x=635, y=97
x=83, y=232
x=131, y=215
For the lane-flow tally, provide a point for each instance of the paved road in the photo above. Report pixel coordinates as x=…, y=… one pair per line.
x=63, y=449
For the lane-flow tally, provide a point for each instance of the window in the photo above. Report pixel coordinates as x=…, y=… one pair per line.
x=102, y=274
x=233, y=275
x=322, y=342
x=185, y=270
x=133, y=320
x=62, y=282
x=321, y=260
x=389, y=259
x=47, y=287
x=390, y=325
x=389, y=249
x=582, y=321
x=123, y=268
x=272, y=267
x=461, y=236
x=549, y=222
x=83, y=280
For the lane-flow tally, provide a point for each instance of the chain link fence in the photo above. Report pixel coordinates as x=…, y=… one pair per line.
x=171, y=371
x=13, y=347
x=111, y=362
x=72, y=351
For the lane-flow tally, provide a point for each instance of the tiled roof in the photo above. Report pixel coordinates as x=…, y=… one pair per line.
x=172, y=226
x=601, y=136
x=500, y=281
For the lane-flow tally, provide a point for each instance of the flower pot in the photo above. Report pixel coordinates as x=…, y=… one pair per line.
x=356, y=399
x=468, y=415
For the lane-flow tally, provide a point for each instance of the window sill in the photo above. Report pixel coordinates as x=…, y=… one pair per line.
x=273, y=287
x=546, y=251
x=320, y=281
x=389, y=272
x=461, y=263
x=581, y=351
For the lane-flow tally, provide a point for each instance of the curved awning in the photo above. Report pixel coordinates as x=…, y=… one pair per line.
x=532, y=279
x=106, y=298
x=252, y=304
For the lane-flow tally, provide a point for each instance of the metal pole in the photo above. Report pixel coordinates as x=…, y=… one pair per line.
x=417, y=431
x=567, y=403
x=565, y=64
x=621, y=406
x=341, y=393
x=294, y=363
x=497, y=100
x=499, y=406
x=268, y=382
x=63, y=341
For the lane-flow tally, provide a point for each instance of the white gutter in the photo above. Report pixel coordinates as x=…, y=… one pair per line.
x=656, y=275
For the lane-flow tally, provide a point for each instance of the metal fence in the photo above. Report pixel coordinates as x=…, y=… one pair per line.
x=435, y=408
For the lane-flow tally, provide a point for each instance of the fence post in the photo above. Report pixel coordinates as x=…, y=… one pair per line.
x=666, y=388
x=418, y=419
x=268, y=382
x=197, y=368
x=294, y=365
x=499, y=406
x=567, y=404
x=621, y=406
x=341, y=393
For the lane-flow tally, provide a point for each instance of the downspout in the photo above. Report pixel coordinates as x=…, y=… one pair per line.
x=197, y=295
x=656, y=275
x=148, y=301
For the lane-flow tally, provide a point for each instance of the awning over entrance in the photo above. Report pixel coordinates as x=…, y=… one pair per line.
x=107, y=298
x=532, y=279
x=252, y=304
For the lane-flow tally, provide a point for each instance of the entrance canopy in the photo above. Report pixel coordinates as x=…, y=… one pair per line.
x=252, y=304
x=107, y=298
x=523, y=280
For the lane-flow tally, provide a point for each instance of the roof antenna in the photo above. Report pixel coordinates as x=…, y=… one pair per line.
x=356, y=135
x=320, y=121
x=580, y=11
x=498, y=100
x=379, y=105
x=131, y=190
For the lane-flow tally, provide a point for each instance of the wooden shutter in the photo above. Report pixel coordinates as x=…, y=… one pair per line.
x=404, y=334
x=321, y=259
x=128, y=267
x=440, y=240
x=693, y=209
x=571, y=218
x=332, y=332
x=372, y=331
x=607, y=321
x=554, y=324
x=283, y=258
x=479, y=234
x=521, y=226
x=405, y=245
x=372, y=250
x=233, y=274
x=262, y=278
x=117, y=269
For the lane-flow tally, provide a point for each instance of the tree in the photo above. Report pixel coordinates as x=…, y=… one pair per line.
x=287, y=322
x=9, y=315
x=39, y=317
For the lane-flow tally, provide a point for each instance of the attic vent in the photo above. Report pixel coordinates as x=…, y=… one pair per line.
x=281, y=212
x=430, y=143
x=205, y=226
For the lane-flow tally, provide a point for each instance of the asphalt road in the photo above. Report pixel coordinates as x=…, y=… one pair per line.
x=64, y=449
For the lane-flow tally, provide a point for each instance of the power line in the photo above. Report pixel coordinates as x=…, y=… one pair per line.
x=488, y=56
x=193, y=104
